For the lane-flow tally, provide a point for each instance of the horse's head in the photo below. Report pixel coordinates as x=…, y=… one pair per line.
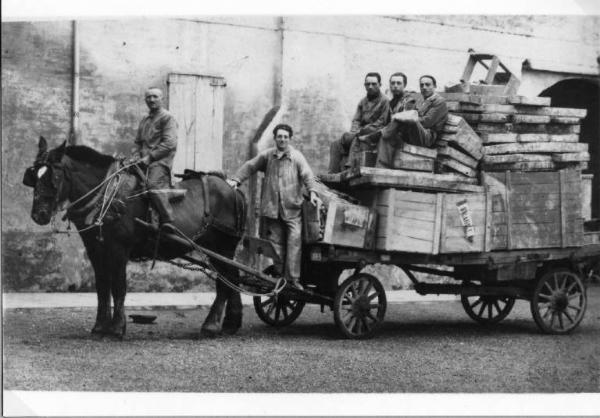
x=47, y=178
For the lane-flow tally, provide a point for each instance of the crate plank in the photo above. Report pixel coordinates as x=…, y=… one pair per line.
x=466, y=139
x=564, y=138
x=493, y=128
x=419, y=151
x=519, y=118
x=535, y=147
x=571, y=156
x=487, y=108
x=567, y=120
x=453, y=153
x=529, y=101
x=563, y=129
x=458, y=167
x=520, y=166
x=557, y=111
x=534, y=137
x=514, y=158
x=492, y=138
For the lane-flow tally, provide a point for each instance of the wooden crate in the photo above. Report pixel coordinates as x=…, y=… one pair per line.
x=343, y=224
x=429, y=223
x=586, y=196
x=535, y=209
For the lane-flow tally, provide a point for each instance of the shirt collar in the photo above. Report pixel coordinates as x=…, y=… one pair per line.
x=280, y=154
x=156, y=112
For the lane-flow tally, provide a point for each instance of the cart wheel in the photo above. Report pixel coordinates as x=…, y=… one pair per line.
x=559, y=301
x=359, y=306
x=277, y=310
x=487, y=310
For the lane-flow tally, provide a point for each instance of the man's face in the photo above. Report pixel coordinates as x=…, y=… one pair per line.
x=372, y=86
x=427, y=87
x=153, y=99
x=397, y=85
x=282, y=139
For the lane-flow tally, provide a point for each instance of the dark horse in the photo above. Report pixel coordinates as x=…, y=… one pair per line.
x=67, y=173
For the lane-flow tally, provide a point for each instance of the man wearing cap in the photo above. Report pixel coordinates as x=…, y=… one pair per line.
x=286, y=173
x=156, y=143
x=370, y=116
x=419, y=127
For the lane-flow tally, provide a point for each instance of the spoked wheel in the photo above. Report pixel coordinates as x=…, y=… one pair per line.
x=559, y=301
x=277, y=310
x=359, y=306
x=486, y=309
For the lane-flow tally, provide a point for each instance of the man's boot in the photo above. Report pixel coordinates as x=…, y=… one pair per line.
x=162, y=205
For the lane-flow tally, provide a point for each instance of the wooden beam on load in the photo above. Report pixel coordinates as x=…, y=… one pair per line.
x=520, y=166
x=535, y=147
x=520, y=118
x=381, y=177
x=488, y=108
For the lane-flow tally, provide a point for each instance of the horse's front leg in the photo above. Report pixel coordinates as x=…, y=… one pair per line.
x=96, y=254
x=118, y=269
x=233, y=312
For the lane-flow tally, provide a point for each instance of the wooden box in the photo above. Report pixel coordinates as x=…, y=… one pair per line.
x=535, y=209
x=430, y=223
x=339, y=223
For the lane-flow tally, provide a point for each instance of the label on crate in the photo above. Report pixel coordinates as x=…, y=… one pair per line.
x=354, y=216
x=466, y=219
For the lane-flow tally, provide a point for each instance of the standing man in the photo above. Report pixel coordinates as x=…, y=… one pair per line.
x=370, y=116
x=286, y=172
x=156, y=142
x=402, y=100
x=419, y=127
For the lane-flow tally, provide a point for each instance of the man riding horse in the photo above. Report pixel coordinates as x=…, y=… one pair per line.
x=156, y=142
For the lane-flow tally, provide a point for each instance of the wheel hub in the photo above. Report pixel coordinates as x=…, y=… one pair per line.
x=361, y=306
x=559, y=301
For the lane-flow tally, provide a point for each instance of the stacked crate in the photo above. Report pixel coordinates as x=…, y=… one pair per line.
x=523, y=133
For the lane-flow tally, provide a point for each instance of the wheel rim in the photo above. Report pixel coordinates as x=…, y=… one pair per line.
x=360, y=306
x=487, y=309
x=277, y=310
x=559, y=302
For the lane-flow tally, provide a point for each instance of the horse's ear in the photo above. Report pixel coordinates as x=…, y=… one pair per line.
x=60, y=151
x=42, y=145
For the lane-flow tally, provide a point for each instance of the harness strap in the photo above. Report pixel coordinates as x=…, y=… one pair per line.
x=100, y=193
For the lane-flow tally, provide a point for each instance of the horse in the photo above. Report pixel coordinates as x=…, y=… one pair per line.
x=211, y=212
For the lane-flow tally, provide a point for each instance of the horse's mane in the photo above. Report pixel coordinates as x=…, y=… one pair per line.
x=88, y=155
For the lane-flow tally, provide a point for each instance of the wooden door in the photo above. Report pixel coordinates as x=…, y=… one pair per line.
x=196, y=101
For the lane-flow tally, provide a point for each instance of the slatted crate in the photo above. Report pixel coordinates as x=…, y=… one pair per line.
x=429, y=223
x=535, y=209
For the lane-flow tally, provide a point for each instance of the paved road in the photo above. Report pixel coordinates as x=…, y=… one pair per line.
x=422, y=347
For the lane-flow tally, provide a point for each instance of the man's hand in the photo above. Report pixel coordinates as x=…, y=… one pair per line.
x=315, y=200
x=406, y=116
x=233, y=183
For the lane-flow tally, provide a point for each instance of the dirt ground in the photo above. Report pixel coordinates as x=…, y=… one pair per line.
x=422, y=347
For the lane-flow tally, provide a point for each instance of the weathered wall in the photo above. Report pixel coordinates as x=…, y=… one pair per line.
x=317, y=63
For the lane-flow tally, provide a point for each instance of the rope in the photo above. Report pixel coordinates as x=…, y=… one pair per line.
x=279, y=286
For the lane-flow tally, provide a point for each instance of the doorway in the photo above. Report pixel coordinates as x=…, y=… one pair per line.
x=584, y=94
x=196, y=102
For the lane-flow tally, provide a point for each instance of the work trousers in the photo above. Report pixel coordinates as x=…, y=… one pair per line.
x=394, y=134
x=286, y=236
x=342, y=150
x=158, y=181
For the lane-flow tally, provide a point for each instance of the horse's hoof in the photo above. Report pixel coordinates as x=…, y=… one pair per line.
x=230, y=330
x=210, y=331
x=100, y=329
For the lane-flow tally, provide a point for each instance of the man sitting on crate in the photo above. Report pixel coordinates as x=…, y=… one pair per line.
x=370, y=116
x=419, y=127
x=286, y=171
x=402, y=100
